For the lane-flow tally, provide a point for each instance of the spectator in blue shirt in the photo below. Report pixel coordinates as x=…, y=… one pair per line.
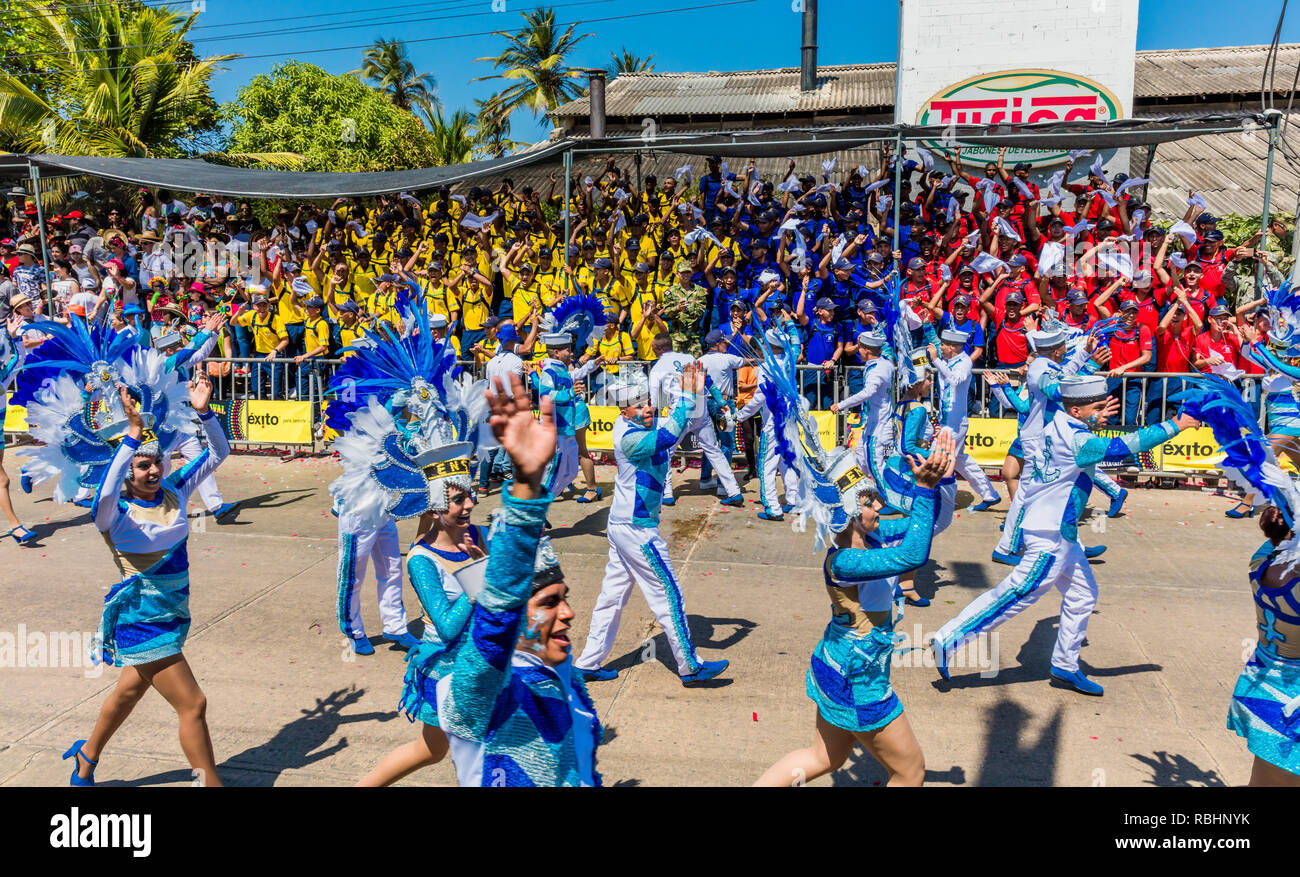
x=865, y=320
x=823, y=346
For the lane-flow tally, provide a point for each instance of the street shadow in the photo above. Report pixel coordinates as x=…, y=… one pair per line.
x=270, y=500
x=705, y=634
x=296, y=745
x=1177, y=770
x=960, y=573
x=45, y=529
x=1010, y=761
x=1033, y=663
x=862, y=770
x=592, y=524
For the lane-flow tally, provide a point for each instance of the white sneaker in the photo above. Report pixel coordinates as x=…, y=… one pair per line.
x=711, y=484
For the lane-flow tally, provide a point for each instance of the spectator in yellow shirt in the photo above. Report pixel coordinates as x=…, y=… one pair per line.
x=614, y=346
x=610, y=290
x=438, y=331
x=317, y=344
x=475, y=293
x=646, y=322
x=269, y=339
x=289, y=288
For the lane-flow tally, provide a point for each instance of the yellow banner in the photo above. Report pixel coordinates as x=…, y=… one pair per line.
x=15, y=418
x=1190, y=449
x=266, y=421
x=989, y=439
x=600, y=435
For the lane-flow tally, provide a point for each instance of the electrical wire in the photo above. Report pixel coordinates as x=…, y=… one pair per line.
x=488, y=33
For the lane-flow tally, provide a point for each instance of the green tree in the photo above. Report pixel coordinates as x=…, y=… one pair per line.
x=386, y=66
x=453, y=142
x=336, y=123
x=534, y=60
x=492, y=131
x=626, y=62
x=113, y=79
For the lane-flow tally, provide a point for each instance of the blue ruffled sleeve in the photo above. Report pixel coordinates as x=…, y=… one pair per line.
x=865, y=564
x=448, y=617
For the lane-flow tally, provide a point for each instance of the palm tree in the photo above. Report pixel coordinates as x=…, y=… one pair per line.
x=535, y=58
x=492, y=131
x=452, y=141
x=626, y=62
x=387, y=67
x=123, y=81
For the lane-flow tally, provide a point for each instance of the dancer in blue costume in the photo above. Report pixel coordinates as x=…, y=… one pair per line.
x=408, y=425
x=514, y=710
x=848, y=678
x=574, y=321
x=1010, y=390
x=146, y=616
x=1265, y=706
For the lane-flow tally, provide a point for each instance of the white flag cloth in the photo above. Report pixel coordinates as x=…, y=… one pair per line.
x=1005, y=228
x=1178, y=261
x=620, y=223
x=1227, y=370
x=862, y=171
x=1184, y=231
x=683, y=171
x=1079, y=229
x=1051, y=255
x=991, y=199
x=828, y=165
x=953, y=207
x=730, y=189
x=1076, y=154
x=471, y=220
x=1108, y=197
x=1024, y=189
x=1097, y=168
x=885, y=202
x=927, y=158
x=1117, y=261
x=876, y=185
x=1197, y=201
x=827, y=187
x=724, y=169
x=1131, y=183
x=767, y=277
x=1137, y=218
x=1055, y=183
x=910, y=319
x=796, y=207
x=587, y=181
x=792, y=225
x=789, y=184
x=620, y=196
x=972, y=240
x=987, y=263
x=460, y=199
x=752, y=197
x=947, y=181
x=410, y=199
x=1051, y=201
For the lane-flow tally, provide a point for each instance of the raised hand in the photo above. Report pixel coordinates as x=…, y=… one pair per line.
x=200, y=392
x=939, y=465
x=529, y=442
x=693, y=379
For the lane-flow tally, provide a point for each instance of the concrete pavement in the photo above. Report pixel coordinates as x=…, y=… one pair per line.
x=289, y=704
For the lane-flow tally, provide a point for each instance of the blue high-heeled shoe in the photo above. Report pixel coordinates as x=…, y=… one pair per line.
x=22, y=535
x=72, y=753
x=583, y=496
x=912, y=598
x=1236, y=511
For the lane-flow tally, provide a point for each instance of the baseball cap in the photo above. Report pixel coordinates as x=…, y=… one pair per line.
x=349, y=306
x=827, y=303
x=916, y=262
x=642, y=268
x=1219, y=310
x=314, y=302
x=1076, y=296
x=713, y=337
x=866, y=304
x=1015, y=297
x=962, y=300
x=1209, y=218
x=603, y=262
x=1130, y=304
x=1018, y=260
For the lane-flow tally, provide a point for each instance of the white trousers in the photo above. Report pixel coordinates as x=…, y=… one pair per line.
x=967, y=468
x=563, y=467
x=707, y=436
x=1049, y=562
x=947, y=505
x=355, y=552
x=770, y=465
x=190, y=448
x=638, y=555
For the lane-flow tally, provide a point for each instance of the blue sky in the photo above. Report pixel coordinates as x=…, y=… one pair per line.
x=446, y=36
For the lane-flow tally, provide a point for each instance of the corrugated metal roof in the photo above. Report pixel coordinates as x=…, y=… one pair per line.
x=1173, y=73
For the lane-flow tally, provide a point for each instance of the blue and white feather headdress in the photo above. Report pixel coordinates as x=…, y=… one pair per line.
x=1284, y=320
x=79, y=419
x=578, y=317
x=413, y=435
x=1248, y=461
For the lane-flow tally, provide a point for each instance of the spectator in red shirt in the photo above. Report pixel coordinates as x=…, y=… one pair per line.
x=1215, y=260
x=1197, y=296
x=1077, y=311
x=1130, y=351
x=919, y=291
x=1175, y=341
x=1010, y=332
x=1218, y=344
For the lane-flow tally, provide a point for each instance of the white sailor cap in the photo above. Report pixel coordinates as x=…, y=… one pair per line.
x=775, y=338
x=955, y=336
x=1083, y=389
x=437, y=321
x=1053, y=337
x=871, y=339
x=162, y=342
x=557, y=339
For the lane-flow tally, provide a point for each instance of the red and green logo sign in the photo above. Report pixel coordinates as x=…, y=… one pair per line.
x=1018, y=97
